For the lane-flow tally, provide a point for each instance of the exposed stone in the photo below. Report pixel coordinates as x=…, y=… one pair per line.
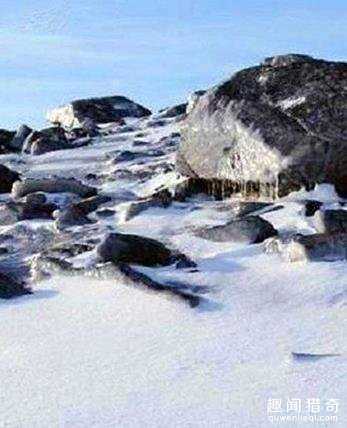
x=77, y=214
x=161, y=199
x=331, y=221
x=7, y=178
x=311, y=207
x=46, y=140
x=174, y=111
x=280, y=126
x=5, y=140
x=121, y=248
x=10, y=287
x=251, y=230
x=99, y=110
x=52, y=185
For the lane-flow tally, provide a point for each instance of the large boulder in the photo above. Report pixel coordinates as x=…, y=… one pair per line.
x=98, y=110
x=7, y=178
x=271, y=129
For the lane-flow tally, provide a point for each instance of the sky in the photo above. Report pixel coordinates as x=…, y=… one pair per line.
x=155, y=52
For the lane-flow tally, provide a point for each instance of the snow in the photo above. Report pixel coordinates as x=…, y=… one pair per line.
x=291, y=102
x=82, y=352
x=94, y=353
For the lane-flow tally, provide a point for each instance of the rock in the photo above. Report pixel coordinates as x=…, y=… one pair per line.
x=271, y=129
x=36, y=199
x=251, y=230
x=76, y=214
x=7, y=178
x=317, y=247
x=5, y=140
x=105, y=213
x=52, y=185
x=10, y=287
x=311, y=207
x=46, y=140
x=18, y=211
x=161, y=199
x=99, y=110
x=134, y=249
x=21, y=135
x=8, y=215
x=331, y=221
x=175, y=111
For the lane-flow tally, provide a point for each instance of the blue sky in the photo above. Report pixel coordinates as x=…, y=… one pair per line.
x=154, y=51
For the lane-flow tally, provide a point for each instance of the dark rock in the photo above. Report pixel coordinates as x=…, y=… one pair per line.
x=5, y=140
x=36, y=199
x=161, y=199
x=251, y=230
x=52, y=185
x=46, y=140
x=18, y=211
x=280, y=125
x=134, y=249
x=76, y=214
x=318, y=247
x=156, y=123
x=137, y=143
x=105, y=213
x=311, y=207
x=70, y=249
x=175, y=111
x=7, y=178
x=99, y=110
x=331, y=221
x=10, y=287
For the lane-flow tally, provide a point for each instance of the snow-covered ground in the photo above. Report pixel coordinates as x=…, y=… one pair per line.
x=82, y=352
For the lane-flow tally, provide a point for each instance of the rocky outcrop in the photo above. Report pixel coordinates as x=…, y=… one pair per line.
x=97, y=110
x=7, y=178
x=271, y=129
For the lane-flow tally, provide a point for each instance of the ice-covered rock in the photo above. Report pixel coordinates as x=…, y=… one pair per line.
x=281, y=125
x=99, y=110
